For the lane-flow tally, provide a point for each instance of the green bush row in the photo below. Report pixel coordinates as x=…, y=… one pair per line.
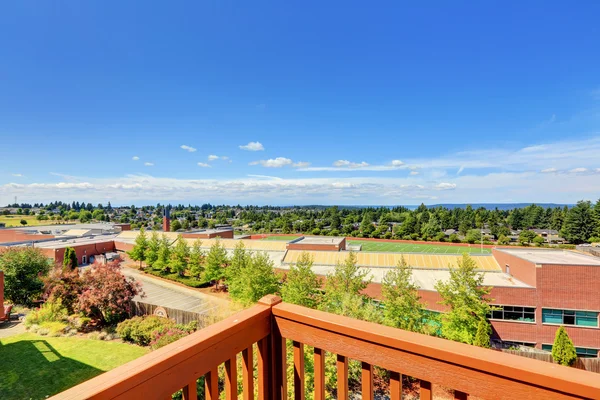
x=186, y=280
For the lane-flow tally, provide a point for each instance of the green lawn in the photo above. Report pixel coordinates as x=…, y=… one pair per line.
x=34, y=367
x=286, y=238
x=417, y=248
x=15, y=220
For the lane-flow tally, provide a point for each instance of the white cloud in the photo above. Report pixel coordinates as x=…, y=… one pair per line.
x=460, y=170
x=188, y=148
x=204, y=165
x=273, y=162
x=301, y=164
x=135, y=158
x=225, y=158
x=396, y=163
x=17, y=175
x=253, y=146
x=149, y=164
x=548, y=170
x=414, y=173
x=579, y=170
x=349, y=164
x=493, y=187
x=212, y=157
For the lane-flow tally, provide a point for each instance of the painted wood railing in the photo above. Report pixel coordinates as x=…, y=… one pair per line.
x=468, y=370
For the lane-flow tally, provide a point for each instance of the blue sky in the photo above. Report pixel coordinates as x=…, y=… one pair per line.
x=341, y=103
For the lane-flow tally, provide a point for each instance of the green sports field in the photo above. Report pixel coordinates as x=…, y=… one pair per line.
x=285, y=238
x=417, y=248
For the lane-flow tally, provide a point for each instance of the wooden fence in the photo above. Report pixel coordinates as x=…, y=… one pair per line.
x=180, y=316
x=588, y=364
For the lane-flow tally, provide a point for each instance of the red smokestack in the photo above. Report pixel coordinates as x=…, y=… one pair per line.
x=166, y=220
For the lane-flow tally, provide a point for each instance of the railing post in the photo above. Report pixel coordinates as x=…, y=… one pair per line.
x=274, y=353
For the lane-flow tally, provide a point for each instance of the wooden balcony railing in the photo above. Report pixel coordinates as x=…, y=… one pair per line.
x=467, y=369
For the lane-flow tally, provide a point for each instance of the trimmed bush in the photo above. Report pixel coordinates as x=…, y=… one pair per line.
x=186, y=280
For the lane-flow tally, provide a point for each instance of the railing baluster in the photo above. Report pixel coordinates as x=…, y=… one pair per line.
x=279, y=355
x=298, y=371
x=189, y=391
x=231, y=388
x=367, y=381
x=342, y=377
x=319, y=374
x=264, y=359
x=426, y=393
x=395, y=386
x=458, y=395
x=247, y=373
x=211, y=384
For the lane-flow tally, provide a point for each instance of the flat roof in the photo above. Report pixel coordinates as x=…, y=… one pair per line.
x=62, y=243
x=65, y=227
x=563, y=257
x=322, y=240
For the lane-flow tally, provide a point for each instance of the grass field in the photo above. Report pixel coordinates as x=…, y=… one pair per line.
x=417, y=248
x=15, y=220
x=35, y=367
x=286, y=238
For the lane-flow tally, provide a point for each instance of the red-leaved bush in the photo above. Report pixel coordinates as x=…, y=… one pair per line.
x=64, y=284
x=106, y=293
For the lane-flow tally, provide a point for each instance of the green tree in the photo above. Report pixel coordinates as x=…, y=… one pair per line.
x=482, y=336
x=240, y=260
x=70, y=258
x=255, y=280
x=466, y=299
x=138, y=252
x=175, y=225
x=347, y=279
x=403, y=307
x=538, y=240
x=563, y=351
x=164, y=254
x=579, y=223
x=152, y=250
x=23, y=270
x=503, y=240
x=179, y=256
x=596, y=216
x=197, y=257
x=431, y=228
x=473, y=236
x=23, y=222
x=526, y=237
x=302, y=286
x=216, y=260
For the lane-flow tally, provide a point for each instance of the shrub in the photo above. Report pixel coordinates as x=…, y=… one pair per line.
x=78, y=322
x=65, y=284
x=51, y=311
x=107, y=293
x=563, y=351
x=55, y=328
x=43, y=331
x=566, y=246
x=140, y=330
x=164, y=337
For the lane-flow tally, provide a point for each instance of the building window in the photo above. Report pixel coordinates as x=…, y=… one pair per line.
x=581, y=351
x=513, y=313
x=570, y=317
x=512, y=343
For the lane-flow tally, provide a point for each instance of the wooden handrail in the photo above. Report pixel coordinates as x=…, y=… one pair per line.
x=432, y=361
x=467, y=369
x=162, y=372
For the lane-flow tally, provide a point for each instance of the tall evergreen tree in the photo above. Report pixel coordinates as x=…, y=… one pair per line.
x=482, y=337
x=216, y=260
x=302, y=286
x=403, y=307
x=197, y=258
x=138, y=253
x=164, y=254
x=563, y=351
x=151, y=253
x=579, y=223
x=70, y=258
x=179, y=256
x=465, y=296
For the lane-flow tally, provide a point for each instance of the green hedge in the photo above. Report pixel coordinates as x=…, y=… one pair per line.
x=186, y=280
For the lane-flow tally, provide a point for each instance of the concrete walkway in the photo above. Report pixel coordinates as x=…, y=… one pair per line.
x=166, y=294
x=14, y=327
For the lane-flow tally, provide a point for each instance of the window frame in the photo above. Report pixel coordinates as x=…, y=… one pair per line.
x=570, y=313
x=503, y=311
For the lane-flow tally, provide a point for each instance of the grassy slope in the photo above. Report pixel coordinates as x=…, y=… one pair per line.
x=417, y=248
x=286, y=238
x=33, y=366
x=15, y=220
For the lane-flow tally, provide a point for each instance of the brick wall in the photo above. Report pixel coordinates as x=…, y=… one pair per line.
x=88, y=250
x=11, y=235
x=523, y=270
